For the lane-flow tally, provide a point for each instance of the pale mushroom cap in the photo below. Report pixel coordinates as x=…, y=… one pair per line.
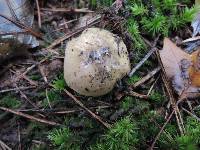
x=95, y=61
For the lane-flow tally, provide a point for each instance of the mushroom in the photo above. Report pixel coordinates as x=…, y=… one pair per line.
x=95, y=61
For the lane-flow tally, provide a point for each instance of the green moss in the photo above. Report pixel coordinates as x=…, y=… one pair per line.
x=155, y=25
x=160, y=16
x=127, y=103
x=123, y=135
x=64, y=139
x=189, y=141
x=10, y=101
x=138, y=9
x=133, y=29
x=134, y=79
x=35, y=77
x=136, y=105
x=52, y=97
x=156, y=97
x=59, y=83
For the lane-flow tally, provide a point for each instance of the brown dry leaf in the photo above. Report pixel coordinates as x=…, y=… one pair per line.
x=194, y=70
x=182, y=69
x=171, y=55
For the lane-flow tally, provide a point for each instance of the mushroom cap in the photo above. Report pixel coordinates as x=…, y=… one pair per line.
x=95, y=61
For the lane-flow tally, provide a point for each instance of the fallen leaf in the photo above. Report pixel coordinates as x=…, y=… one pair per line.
x=195, y=69
x=182, y=69
x=171, y=55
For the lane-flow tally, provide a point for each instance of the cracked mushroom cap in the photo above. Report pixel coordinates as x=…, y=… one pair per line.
x=95, y=61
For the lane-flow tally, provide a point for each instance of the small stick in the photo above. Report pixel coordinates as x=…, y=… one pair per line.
x=19, y=137
x=60, y=111
x=142, y=62
x=131, y=93
x=48, y=99
x=147, y=77
x=82, y=10
x=153, y=49
x=86, y=109
x=161, y=130
x=171, y=97
x=13, y=33
x=42, y=73
x=189, y=105
x=30, y=117
x=191, y=39
x=19, y=24
x=19, y=88
x=4, y=146
x=73, y=111
x=30, y=68
x=26, y=98
x=191, y=114
x=38, y=12
x=33, y=83
x=65, y=37
x=150, y=90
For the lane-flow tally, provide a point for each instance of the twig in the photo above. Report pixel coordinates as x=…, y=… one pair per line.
x=86, y=109
x=65, y=37
x=19, y=137
x=131, y=93
x=39, y=16
x=19, y=24
x=142, y=62
x=171, y=97
x=19, y=88
x=117, y=5
x=42, y=73
x=73, y=111
x=190, y=106
x=191, y=39
x=30, y=68
x=26, y=98
x=82, y=10
x=4, y=146
x=191, y=114
x=60, y=111
x=153, y=49
x=147, y=77
x=30, y=117
x=33, y=83
x=161, y=130
x=13, y=33
x=48, y=98
x=150, y=90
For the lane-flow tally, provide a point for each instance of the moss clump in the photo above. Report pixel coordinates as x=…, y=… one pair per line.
x=10, y=101
x=64, y=139
x=190, y=140
x=123, y=135
x=134, y=79
x=156, y=97
x=59, y=83
x=155, y=17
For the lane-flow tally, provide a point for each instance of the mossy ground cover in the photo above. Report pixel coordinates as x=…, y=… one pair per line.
x=135, y=122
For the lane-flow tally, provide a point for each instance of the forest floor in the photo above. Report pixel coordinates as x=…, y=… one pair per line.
x=38, y=111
